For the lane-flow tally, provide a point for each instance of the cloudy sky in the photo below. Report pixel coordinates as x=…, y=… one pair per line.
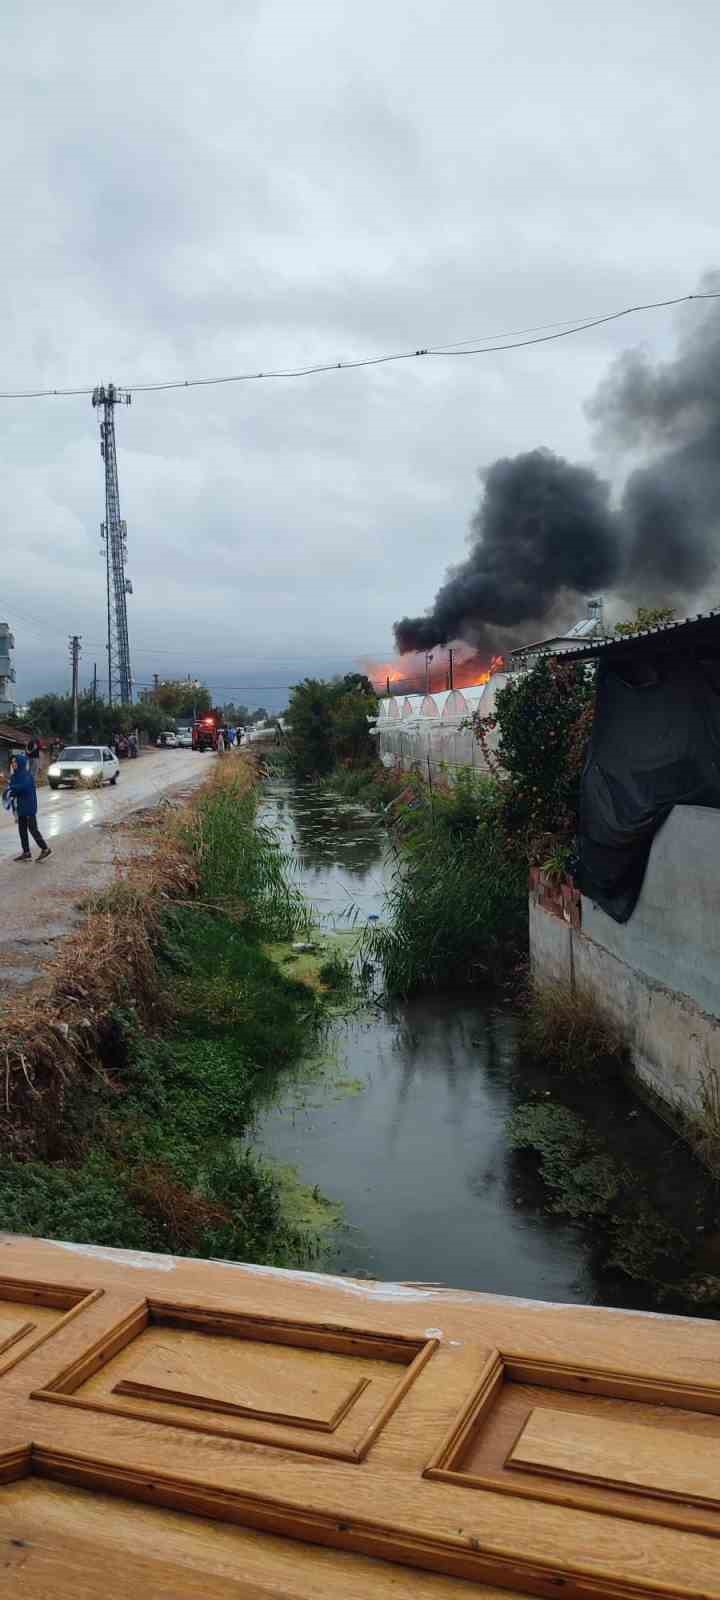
x=192, y=190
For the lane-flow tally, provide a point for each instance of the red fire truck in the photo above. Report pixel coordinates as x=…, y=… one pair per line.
x=205, y=730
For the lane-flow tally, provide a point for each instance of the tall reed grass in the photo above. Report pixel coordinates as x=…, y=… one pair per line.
x=241, y=866
x=457, y=904
x=134, y=1087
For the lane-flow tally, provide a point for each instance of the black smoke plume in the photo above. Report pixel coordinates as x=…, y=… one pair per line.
x=545, y=533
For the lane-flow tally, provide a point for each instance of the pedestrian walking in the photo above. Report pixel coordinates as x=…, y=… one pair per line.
x=23, y=794
x=133, y=745
x=32, y=751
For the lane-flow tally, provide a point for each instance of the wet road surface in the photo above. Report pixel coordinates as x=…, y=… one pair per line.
x=62, y=811
x=39, y=902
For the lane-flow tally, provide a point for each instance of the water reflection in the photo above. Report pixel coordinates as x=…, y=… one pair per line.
x=420, y=1159
x=340, y=850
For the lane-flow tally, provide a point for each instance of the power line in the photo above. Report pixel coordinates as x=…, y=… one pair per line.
x=462, y=347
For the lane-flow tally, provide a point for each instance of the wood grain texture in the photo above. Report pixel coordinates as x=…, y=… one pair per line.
x=32, y=1313
x=445, y=1400
x=301, y=1388
x=58, y=1543
x=620, y=1455
x=12, y=1329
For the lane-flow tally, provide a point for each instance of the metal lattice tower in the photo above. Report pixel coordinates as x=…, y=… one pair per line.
x=114, y=532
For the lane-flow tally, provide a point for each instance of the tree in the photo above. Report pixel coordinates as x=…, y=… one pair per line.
x=235, y=716
x=545, y=720
x=646, y=617
x=328, y=724
x=52, y=715
x=311, y=737
x=179, y=697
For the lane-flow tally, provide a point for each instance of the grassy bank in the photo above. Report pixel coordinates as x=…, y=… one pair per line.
x=140, y=1139
x=457, y=904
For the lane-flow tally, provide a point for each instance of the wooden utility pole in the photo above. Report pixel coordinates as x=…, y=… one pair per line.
x=94, y=687
x=451, y=685
x=75, y=659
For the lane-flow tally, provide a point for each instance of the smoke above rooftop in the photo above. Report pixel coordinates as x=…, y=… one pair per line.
x=546, y=532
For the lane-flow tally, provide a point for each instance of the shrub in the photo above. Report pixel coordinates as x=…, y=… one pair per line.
x=567, y=1029
x=458, y=900
x=328, y=724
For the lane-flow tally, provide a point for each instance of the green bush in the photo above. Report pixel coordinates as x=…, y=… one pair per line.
x=545, y=718
x=457, y=902
x=328, y=724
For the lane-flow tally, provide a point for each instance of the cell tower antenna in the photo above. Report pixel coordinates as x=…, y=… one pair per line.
x=114, y=533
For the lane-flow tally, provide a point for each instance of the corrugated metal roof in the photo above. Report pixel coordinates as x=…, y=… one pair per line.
x=686, y=631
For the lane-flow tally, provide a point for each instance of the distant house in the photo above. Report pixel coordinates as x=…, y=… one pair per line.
x=589, y=628
x=7, y=670
x=12, y=737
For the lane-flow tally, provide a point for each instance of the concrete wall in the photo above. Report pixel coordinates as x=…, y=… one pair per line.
x=659, y=973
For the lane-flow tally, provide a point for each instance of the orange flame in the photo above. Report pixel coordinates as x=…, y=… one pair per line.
x=408, y=674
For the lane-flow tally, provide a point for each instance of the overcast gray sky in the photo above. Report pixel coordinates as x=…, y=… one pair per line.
x=192, y=189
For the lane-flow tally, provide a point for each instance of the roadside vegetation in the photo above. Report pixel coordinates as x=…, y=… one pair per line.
x=129, y=1099
x=328, y=726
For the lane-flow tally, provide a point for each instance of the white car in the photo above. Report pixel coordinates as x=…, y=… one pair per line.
x=84, y=763
x=184, y=739
x=167, y=741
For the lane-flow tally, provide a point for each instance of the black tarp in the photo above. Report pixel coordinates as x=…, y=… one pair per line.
x=655, y=744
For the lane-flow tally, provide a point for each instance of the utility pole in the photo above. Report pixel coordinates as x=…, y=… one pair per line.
x=114, y=532
x=428, y=658
x=75, y=658
x=94, y=687
x=387, y=680
x=451, y=685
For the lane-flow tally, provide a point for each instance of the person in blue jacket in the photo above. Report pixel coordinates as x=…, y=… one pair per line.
x=22, y=794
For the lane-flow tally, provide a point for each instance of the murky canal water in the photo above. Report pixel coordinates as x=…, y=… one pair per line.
x=408, y=1133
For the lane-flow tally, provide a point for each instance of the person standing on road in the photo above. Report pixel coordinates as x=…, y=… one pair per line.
x=21, y=790
x=220, y=742
x=32, y=751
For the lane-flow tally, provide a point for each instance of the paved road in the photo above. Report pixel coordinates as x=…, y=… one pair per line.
x=141, y=782
x=39, y=904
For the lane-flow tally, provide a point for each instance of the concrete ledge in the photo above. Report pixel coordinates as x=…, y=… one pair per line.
x=672, y=1041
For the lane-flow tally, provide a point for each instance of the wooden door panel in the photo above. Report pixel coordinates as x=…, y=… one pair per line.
x=527, y=1448
x=621, y=1455
x=262, y=1381
x=29, y=1313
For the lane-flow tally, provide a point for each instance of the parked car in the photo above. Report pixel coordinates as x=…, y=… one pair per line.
x=83, y=763
x=184, y=739
x=167, y=740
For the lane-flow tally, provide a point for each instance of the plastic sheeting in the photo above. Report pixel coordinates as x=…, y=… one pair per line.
x=655, y=744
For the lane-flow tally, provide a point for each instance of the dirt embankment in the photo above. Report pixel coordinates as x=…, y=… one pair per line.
x=62, y=1028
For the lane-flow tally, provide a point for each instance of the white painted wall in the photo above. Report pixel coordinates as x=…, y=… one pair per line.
x=658, y=975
